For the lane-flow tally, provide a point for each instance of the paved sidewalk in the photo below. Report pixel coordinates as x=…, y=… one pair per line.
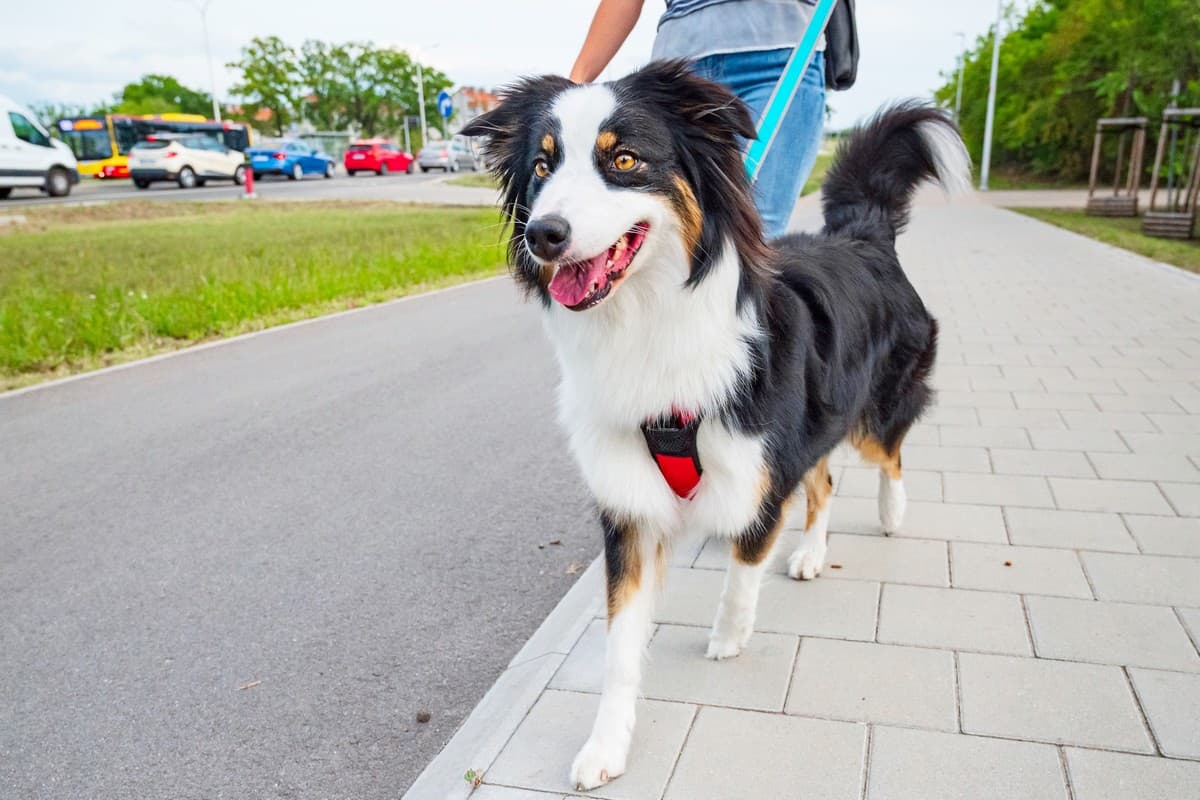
x=1031, y=633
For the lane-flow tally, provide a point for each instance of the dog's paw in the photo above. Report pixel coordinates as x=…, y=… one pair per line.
x=721, y=646
x=597, y=764
x=807, y=560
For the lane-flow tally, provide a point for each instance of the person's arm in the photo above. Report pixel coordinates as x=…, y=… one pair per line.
x=612, y=23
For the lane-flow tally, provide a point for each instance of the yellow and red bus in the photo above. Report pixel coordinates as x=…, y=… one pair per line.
x=102, y=143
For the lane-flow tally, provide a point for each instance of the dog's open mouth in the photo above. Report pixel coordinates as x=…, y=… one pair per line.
x=579, y=285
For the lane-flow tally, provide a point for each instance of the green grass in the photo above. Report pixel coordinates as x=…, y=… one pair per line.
x=83, y=287
x=1123, y=232
x=1002, y=179
x=481, y=180
x=813, y=184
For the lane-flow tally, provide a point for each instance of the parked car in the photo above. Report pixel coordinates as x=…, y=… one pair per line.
x=187, y=160
x=448, y=156
x=378, y=156
x=290, y=158
x=29, y=157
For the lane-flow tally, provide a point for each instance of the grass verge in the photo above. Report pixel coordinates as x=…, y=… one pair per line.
x=817, y=176
x=478, y=180
x=85, y=287
x=1006, y=178
x=1123, y=232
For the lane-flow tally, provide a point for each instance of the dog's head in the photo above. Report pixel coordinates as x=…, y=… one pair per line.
x=605, y=181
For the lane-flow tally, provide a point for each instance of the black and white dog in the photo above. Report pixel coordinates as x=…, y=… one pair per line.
x=689, y=345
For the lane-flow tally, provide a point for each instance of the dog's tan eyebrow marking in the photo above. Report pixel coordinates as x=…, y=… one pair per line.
x=607, y=140
x=548, y=144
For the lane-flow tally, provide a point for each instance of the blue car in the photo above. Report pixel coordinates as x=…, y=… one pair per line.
x=290, y=158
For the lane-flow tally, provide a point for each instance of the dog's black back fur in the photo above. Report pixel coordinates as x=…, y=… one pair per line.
x=851, y=344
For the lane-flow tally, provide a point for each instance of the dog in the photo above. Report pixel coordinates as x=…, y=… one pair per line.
x=707, y=374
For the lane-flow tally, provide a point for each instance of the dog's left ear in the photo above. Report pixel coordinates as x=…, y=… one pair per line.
x=708, y=108
x=507, y=126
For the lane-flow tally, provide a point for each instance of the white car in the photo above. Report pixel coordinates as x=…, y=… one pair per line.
x=29, y=157
x=189, y=161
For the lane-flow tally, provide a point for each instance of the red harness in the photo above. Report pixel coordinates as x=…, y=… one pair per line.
x=672, y=443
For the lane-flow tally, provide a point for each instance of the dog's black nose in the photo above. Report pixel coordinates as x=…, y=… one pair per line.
x=547, y=237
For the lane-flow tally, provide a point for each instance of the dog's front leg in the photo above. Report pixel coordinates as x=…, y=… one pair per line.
x=739, y=599
x=631, y=566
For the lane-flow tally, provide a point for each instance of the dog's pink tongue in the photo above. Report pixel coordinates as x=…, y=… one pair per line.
x=572, y=282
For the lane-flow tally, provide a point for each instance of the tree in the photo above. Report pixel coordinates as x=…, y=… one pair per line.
x=49, y=112
x=1067, y=63
x=161, y=94
x=270, y=80
x=335, y=86
x=360, y=85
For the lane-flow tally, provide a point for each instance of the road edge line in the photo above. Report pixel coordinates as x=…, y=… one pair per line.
x=137, y=362
x=487, y=729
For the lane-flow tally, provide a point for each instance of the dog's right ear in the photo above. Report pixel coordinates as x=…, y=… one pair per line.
x=508, y=130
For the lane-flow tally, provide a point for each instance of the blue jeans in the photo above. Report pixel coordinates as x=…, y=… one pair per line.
x=752, y=77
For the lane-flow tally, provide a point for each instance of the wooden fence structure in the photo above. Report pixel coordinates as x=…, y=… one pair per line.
x=1123, y=202
x=1179, y=150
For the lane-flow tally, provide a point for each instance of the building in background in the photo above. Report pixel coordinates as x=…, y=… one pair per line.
x=468, y=103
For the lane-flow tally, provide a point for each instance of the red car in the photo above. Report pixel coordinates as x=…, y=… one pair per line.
x=378, y=156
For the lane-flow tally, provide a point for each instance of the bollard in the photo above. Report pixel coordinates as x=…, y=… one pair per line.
x=249, y=183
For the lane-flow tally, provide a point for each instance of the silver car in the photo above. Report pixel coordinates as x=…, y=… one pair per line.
x=448, y=156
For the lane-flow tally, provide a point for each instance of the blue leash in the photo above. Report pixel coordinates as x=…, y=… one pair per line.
x=781, y=98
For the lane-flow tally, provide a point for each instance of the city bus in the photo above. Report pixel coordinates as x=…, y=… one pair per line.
x=101, y=143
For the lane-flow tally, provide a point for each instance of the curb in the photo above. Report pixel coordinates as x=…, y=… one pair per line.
x=485, y=732
x=240, y=338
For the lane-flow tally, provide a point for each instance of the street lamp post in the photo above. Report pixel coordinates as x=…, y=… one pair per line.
x=962, y=62
x=421, y=103
x=202, y=7
x=991, y=105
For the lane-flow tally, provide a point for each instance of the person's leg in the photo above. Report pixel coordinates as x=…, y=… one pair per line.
x=752, y=77
x=794, y=151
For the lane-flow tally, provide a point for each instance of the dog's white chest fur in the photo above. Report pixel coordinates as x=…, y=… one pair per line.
x=655, y=346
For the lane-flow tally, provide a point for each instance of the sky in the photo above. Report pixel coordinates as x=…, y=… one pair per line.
x=82, y=52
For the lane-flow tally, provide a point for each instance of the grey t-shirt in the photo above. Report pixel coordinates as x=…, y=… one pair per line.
x=698, y=28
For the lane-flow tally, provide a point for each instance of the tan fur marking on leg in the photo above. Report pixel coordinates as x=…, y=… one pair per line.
x=628, y=579
x=753, y=552
x=873, y=452
x=818, y=486
x=660, y=566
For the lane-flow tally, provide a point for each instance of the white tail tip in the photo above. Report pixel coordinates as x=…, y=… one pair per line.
x=950, y=157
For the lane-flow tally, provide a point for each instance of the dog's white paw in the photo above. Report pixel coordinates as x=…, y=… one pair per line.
x=722, y=646
x=892, y=503
x=597, y=764
x=807, y=560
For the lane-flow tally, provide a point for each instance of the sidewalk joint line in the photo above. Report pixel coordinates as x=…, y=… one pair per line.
x=1137, y=703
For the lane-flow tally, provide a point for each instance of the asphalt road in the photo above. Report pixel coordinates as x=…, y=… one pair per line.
x=240, y=572
x=419, y=187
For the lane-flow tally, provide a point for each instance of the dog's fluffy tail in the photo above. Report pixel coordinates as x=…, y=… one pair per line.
x=867, y=192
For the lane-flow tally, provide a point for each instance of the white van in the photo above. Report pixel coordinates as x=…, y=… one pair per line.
x=29, y=157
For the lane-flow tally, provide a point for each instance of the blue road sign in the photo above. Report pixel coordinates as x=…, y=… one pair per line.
x=445, y=104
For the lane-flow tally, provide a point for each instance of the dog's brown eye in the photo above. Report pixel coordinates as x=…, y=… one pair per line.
x=624, y=162
x=541, y=168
